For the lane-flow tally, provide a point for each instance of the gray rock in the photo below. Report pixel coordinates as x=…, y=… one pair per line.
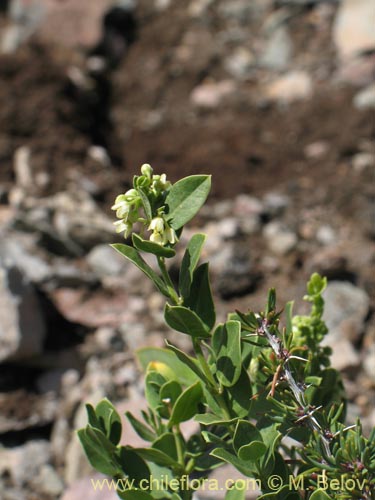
x=19, y=251
x=344, y=355
x=346, y=307
x=23, y=463
x=362, y=161
x=198, y=8
x=69, y=223
x=21, y=410
x=238, y=10
x=278, y=50
x=365, y=99
x=237, y=277
x=239, y=63
x=22, y=327
x=228, y=228
x=104, y=261
x=326, y=235
x=330, y=262
x=245, y=205
x=275, y=204
x=280, y=239
x=369, y=362
x=25, y=17
x=353, y=30
x=48, y=481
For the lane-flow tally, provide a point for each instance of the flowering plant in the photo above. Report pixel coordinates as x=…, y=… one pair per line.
x=259, y=386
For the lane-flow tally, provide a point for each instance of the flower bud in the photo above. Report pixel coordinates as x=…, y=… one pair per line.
x=157, y=238
x=157, y=225
x=147, y=170
x=123, y=225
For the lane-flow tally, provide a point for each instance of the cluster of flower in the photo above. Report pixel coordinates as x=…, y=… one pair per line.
x=128, y=207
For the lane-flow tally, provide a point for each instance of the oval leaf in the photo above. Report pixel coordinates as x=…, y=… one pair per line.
x=200, y=298
x=132, y=254
x=109, y=420
x=151, y=247
x=156, y=456
x=186, y=321
x=140, y=428
x=99, y=451
x=189, y=263
x=186, y=404
x=226, y=343
x=183, y=372
x=252, y=451
x=319, y=495
x=186, y=197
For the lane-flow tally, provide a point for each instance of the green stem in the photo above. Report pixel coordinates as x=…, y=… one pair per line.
x=179, y=446
x=213, y=387
x=203, y=362
x=167, y=279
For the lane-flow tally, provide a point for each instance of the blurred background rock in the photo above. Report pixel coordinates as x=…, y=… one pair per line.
x=275, y=98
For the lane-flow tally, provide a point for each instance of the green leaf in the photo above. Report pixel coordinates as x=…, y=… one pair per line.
x=210, y=437
x=226, y=343
x=238, y=396
x=249, y=320
x=252, y=452
x=183, y=372
x=141, y=429
x=109, y=420
x=200, y=298
x=153, y=383
x=245, y=433
x=320, y=495
x=186, y=197
x=316, y=285
x=271, y=438
x=289, y=318
x=186, y=321
x=187, y=361
x=186, y=405
x=207, y=462
x=244, y=467
x=133, y=465
x=283, y=493
x=171, y=390
x=133, y=255
x=210, y=419
x=235, y=494
x=167, y=444
x=134, y=495
x=151, y=247
x=271, y=301
x=189, y=263
x=92, y=418
x=156, y=456
x=99, y=450
x=146, y=204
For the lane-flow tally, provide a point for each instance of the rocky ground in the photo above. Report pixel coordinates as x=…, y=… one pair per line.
x=275, y=98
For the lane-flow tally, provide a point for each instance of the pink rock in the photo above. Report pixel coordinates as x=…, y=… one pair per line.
x=85, y=488
x=97, y=309
x=293, y=86
x=210, y=94
x=73, y=22
x=353, y=31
